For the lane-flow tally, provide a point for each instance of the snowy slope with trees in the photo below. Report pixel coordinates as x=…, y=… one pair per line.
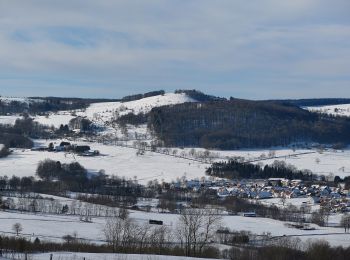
x=338, y=110
x=19, y=99
x=100, y=113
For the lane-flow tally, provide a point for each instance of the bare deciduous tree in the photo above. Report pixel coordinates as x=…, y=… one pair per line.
x=196, y=229
x=345, y=223
x=119, y=232
x=283, y=199
x=17, y=227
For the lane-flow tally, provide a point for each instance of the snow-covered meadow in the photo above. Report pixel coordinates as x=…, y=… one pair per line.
x=8, y=120
x=330, y=162
x=91, y=256
x=54, y=227
x=339, y=110
x=123, y=161
x=326, y=162
x=114, y=160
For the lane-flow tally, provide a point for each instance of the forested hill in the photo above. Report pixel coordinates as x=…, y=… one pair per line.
x=198, y=95
x=235, y=123
x=314, y=102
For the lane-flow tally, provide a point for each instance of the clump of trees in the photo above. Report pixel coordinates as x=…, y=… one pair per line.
x=140, y=96
x=57, y=179
x=53, y=170
x=195, y=232
x=80, y=123
x=124, y=234
x=347, y=182
x=198, y=95
x=4, y=151
x=18, y=136
x=132, y=119
x=73, y=175
x=40, y=105
x=14, y=140
x=234, y=169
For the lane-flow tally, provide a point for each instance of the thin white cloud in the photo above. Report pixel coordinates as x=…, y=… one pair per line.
x=174, y=43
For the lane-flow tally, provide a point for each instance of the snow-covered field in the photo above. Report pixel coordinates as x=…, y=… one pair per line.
x=8, y=120
x=322, y=163
x=291, y=201
x=114, y=160
x=86, y=256
x=340, y=110
x=51, y=227
x=328, y=162
x=123, y=161
x=54, y=119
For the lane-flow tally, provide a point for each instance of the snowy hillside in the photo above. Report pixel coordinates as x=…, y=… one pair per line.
x=54, y=119
x=110, y=110
x=339, y=110
x=19, y=99
x=101, y=113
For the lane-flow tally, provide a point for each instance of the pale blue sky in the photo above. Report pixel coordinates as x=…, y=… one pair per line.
x=254, y=49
